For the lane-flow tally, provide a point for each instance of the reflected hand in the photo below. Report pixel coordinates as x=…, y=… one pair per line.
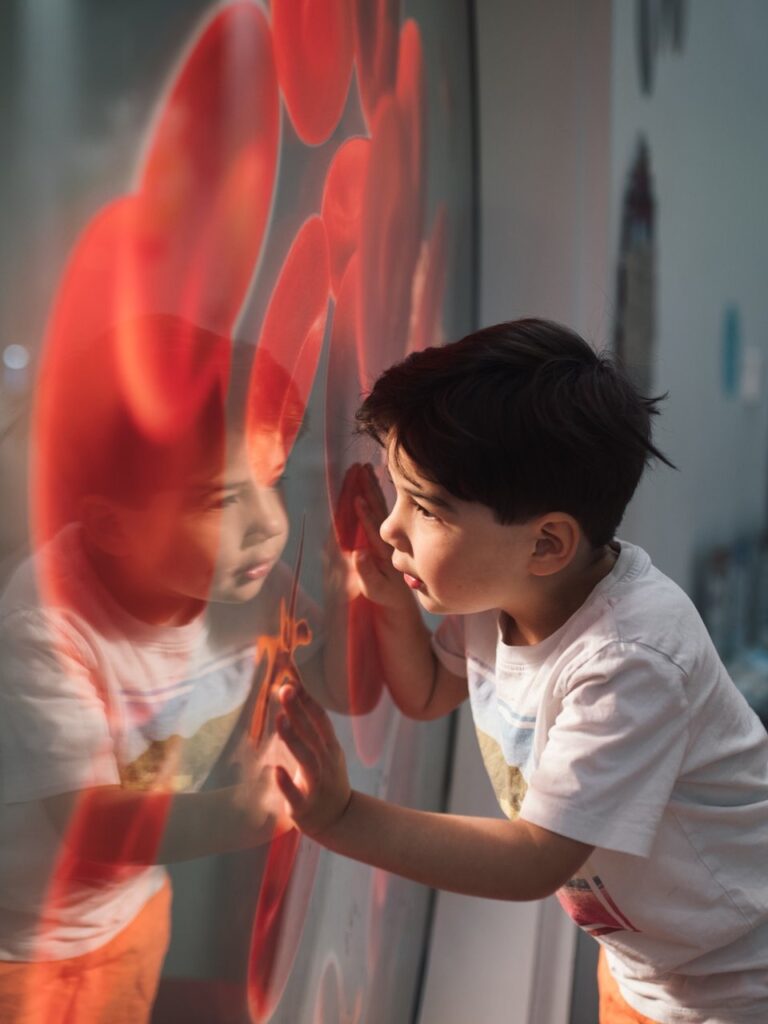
x=379, y=580
x=318, y=794
x=256, y=794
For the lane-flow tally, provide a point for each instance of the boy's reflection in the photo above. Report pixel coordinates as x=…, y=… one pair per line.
x=117, y=691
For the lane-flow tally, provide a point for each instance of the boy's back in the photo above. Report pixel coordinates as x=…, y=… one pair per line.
x=623, y=730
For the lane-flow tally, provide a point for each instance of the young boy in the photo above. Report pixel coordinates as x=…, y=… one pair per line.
x=633, y=774
x=127, y=660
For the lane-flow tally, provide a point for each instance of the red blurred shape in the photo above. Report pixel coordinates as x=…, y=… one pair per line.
x=291, y=340
x=313, y=53
x=342, y=205
x=429, y=287
x=77, y=378
x=412, y=103
x=393, y=214
x=343, y=389
x=101, y=362
x=280, y=913
x=209, y=171
x=167, y=369
x=109, y=843
x=377, y=24
x=104, y=845
x=364, y=672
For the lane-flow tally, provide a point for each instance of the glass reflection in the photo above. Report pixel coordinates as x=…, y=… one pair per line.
x=192, y=518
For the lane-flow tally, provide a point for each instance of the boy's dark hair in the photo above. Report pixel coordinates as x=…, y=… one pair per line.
x=524, y=417
x=90, y=441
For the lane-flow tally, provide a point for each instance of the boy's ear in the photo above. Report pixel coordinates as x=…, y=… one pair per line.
x=556, y=541
x=104, y=525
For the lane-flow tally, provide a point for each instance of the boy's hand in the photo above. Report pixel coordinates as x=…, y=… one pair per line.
x=256, y=795
x=319, y=792
x=380, y=581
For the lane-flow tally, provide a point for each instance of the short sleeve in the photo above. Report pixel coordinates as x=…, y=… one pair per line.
x=614, y=752
x=449, y=645
x=54, y=733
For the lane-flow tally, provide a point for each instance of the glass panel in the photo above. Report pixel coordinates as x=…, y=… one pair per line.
x=221, y=222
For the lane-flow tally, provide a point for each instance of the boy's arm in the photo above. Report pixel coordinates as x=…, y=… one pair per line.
x=420, y=685
x=513, y=860
x=115, y=825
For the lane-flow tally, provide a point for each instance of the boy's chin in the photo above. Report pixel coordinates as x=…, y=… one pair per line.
x=431, y=604
x=435, y=606
x=236, y=593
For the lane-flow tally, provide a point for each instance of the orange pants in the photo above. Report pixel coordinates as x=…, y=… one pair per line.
x=613, y=1008
x=115, y=984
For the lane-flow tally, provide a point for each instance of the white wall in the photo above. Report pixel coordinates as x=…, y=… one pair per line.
x=705, y=124
x=543, y=77
x=561, y=111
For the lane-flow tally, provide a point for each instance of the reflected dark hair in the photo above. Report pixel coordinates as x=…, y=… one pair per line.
x=524, y=417
x=101, y=448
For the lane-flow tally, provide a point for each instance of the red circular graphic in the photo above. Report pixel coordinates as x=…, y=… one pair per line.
x=377, y=24
x=209, y=171
x=429, y=286
x=288, y=351
x=313, y=52
x=393, y=213
x=342, y=205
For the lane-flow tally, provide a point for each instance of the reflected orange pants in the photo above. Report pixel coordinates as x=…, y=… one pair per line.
x=115, y=984
x=613, y=1008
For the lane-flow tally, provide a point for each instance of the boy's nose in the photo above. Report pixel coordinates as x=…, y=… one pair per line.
x=391, y=532
x=265, y=516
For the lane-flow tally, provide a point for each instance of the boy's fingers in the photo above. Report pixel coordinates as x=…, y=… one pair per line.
x=289, y=789
x=309, y=718
x=319, y=718
x=367, y=569
x=301, y=749
x=370, y=525
x=302, y=716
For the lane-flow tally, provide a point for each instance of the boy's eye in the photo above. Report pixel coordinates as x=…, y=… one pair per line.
x=222, y=501
x=423, y=512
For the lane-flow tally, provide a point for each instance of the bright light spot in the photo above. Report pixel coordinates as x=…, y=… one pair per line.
x=15, y=357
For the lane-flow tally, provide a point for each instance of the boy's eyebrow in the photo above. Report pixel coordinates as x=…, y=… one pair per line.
x=224, y=485
x=416, y=491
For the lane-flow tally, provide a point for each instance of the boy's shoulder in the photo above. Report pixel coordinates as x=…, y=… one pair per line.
x=635, y=607
x=642, y=607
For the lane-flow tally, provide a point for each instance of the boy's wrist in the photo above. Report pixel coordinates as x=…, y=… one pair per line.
x=331, y=835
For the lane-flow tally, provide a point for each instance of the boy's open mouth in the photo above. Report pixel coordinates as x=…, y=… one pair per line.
x=413, y=581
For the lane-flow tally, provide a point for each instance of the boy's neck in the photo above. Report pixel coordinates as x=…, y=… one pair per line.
x=555, y=599
x=154, y=609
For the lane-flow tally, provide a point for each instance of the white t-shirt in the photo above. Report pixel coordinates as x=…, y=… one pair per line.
x=623, y=730
x=90, y=696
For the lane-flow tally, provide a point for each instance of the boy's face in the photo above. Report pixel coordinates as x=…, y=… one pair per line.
x=215, y=539
x=453, y=553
